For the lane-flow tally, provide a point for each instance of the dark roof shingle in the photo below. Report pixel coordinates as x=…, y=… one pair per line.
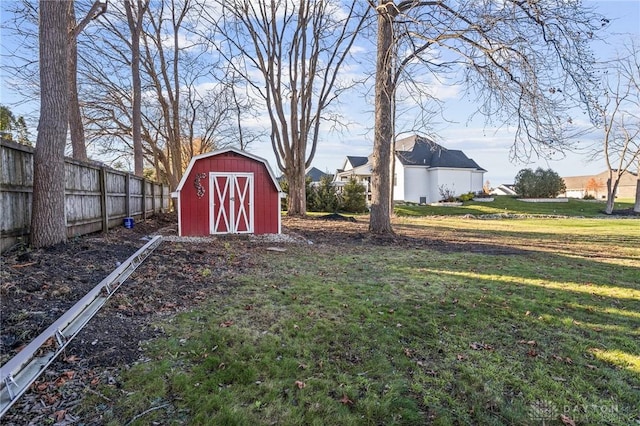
x=428, y=153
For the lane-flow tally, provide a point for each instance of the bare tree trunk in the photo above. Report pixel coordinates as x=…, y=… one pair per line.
x=380, y=219
x=297, y=190
x=636, y=207
x=135, y=24
x=612, y=190
x=76, y=128
x=48, y=225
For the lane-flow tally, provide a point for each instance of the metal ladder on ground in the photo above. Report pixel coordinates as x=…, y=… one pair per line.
x=17, y=374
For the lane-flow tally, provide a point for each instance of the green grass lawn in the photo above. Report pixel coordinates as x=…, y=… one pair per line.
x=501, y=322
x=511, y=205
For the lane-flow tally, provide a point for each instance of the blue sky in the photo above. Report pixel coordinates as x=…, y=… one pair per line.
x=489, y=147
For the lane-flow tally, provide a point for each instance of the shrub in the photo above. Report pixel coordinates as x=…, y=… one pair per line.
x=539, y=184
x=354, y=197
x=311, y=193
x=467, y=197
x=588, y=197
x=446, y=194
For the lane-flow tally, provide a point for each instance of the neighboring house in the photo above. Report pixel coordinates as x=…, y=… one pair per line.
x=316, y=175
x=504, y=189
x=422, y=168
x=596, y=185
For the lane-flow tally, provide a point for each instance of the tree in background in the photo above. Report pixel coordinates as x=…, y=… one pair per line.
x=539, y=183
x=592, y=187
x=175, y=76
x=48, y=225
x=135, y=15
x=191, y=104
x=290, y=54
x=76, y=126
x=619, y=118
x=527, y=63
x=12, y=128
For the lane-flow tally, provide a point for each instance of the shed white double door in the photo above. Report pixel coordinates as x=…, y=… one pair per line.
x=231, y=201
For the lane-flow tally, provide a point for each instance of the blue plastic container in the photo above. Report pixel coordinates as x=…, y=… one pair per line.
x=128, y=222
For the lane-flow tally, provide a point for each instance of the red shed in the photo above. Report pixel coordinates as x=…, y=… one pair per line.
x=228, y=192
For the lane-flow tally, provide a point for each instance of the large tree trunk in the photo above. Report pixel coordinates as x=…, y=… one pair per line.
x=76, y=128
x=48, y=225
x=297, y=202
x=380, y=219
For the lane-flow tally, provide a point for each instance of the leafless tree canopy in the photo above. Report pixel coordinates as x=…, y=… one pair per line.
x=526, y=63
x=188, y=101
x=290, y=54
x=618, y=120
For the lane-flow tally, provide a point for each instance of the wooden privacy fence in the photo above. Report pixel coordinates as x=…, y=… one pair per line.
x=97, y=197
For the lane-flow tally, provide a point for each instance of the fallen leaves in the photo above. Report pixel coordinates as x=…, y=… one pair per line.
x=480, y=346
x=60, y=415
x=345, y=400
x=226, y=324
x=300, y=385
x=71, y=358
x=567, y=420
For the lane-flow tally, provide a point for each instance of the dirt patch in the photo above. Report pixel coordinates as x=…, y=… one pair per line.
x=337, y=216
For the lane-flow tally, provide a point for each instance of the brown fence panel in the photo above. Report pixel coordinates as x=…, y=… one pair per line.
x=96, y=197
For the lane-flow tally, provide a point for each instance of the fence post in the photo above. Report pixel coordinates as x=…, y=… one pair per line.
x=103, y=199
x=127, y=194
x=144, y=199
x=162, y=198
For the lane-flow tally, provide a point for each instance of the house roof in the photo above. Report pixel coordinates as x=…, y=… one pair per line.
x=357, y=161
x=316, y=174
x=222, y=151
x=424, y=152
x=363, y=170
x=582, y=182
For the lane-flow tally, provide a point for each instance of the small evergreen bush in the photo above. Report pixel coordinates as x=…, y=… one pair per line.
x=354, y=198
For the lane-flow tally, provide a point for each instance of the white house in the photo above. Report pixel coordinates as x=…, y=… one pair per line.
x=504, y=189
x=421, y=169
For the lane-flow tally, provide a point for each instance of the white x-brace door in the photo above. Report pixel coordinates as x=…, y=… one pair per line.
x=231, y=201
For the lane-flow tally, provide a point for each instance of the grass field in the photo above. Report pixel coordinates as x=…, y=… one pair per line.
x=479, y=322
x=510, y=205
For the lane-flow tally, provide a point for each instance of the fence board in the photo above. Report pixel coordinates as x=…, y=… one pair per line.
x=96, y=197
